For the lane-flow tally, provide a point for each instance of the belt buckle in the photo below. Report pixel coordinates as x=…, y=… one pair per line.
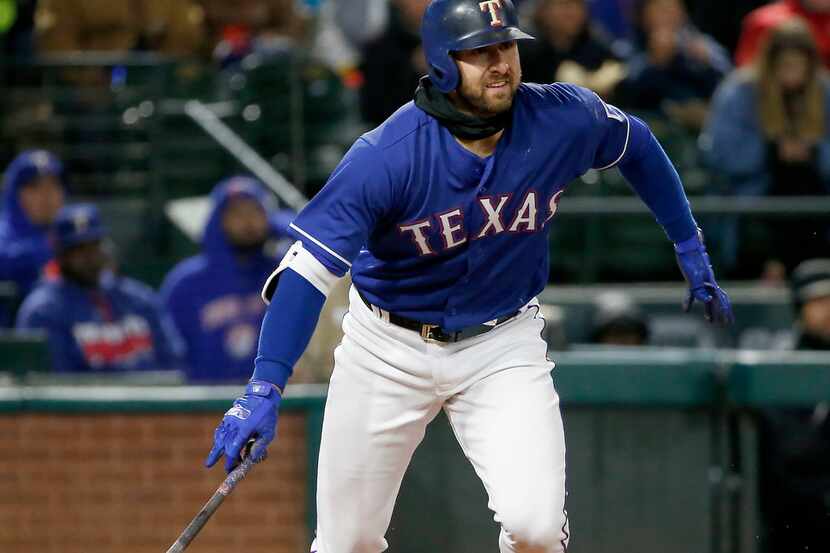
x=426, y=332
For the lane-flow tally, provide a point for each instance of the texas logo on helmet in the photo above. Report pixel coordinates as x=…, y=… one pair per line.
x=492, y=6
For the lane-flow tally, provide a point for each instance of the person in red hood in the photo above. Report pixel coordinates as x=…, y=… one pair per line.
x=757, y=24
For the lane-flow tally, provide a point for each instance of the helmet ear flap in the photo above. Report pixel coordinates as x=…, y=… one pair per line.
x=440, y=74
x=444, y=75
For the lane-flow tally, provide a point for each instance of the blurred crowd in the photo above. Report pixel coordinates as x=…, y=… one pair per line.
x=745, y=80
x=754, y=96
x=206, y=317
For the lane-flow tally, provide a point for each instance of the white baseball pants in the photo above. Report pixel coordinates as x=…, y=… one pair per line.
x=496, y=389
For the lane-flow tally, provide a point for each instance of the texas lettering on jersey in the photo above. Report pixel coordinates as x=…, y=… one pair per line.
x=450, y=224
x=426, y=227
x=123, y=342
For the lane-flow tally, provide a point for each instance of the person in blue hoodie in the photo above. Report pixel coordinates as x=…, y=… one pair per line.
x=96, y=321
x=33, y=193
x=214, y=297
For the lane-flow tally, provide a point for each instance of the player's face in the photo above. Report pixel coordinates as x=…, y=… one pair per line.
x=489, y=79
x=41, y=200
x=245, y=223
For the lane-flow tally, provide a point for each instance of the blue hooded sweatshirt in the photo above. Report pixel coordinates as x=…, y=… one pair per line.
x=117, y=327
x=24, y=247
x=214, y=298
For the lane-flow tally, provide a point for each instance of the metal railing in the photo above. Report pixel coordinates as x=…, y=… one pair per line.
x=203, y=116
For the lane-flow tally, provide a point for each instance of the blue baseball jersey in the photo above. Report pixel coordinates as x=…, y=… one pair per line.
x=435, y=233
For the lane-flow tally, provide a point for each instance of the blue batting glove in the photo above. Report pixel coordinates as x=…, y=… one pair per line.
x=694, y=263
x=253, y=416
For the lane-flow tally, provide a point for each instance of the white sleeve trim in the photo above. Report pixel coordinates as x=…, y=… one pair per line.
x=302, y=262
x=326, y=248
x=625, y=146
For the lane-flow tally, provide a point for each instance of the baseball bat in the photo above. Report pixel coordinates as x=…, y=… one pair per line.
x=210, y=507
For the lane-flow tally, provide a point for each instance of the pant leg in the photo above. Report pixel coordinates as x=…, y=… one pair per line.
x=510, y=428
x=377, y=410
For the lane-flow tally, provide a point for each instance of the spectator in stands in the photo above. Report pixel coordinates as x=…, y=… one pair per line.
x=174, y=28
x=769, y=134
x=94, y=320
x=617, y=321
x=569, y=49
x=342, y=28
x=254, y=26
x=16, y=25
x=769, y=130
x=795, y=442
x=214, y=298
x=677, y=68
x=393, y=62
x=810, y=284
x=358, y=20
x=758, y=23
x=33, y=193
x=612, y=16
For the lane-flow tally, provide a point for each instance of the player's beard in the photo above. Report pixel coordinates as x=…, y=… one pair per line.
x=482, y=101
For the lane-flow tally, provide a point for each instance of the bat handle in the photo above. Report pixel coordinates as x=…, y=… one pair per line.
x=235, y=476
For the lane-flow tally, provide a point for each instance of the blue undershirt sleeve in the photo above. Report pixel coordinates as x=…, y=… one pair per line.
x=651, y=174
x=622, y=140
x=287, y=327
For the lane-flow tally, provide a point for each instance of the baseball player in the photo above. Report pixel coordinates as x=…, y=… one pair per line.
x=442, y=215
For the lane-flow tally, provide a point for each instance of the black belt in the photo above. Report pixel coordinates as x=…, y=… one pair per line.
x=435, y=333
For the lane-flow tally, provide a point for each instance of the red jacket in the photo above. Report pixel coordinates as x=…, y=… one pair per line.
x=759, y=21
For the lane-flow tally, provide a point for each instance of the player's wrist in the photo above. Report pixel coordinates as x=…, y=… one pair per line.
x=263, y=388
x=695, y=243
x=273, y=372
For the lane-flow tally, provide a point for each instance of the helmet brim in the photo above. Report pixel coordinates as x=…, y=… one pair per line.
x=489, y=37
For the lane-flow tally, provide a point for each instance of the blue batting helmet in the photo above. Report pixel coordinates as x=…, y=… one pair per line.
x=453, y=25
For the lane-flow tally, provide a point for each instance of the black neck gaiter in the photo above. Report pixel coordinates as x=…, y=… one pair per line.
x=468, y=127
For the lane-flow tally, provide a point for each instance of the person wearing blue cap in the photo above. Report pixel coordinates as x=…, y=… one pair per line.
x=33, y=193
x=96, y=321
x=214, y=298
